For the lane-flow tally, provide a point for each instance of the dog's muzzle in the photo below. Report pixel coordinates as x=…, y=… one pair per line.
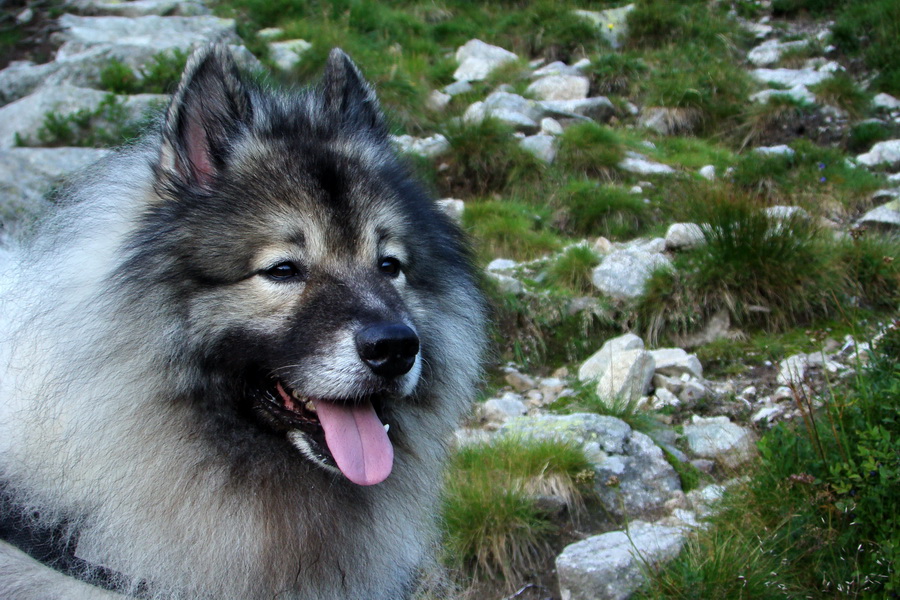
x=389, y=349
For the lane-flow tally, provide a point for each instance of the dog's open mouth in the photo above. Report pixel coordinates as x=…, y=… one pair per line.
x=346, y=436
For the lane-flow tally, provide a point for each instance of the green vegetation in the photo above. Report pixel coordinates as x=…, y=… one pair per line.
x=591, y=149
x=819, y=516
x=160, y=76
x=590, y=209
x=572, y=270
x=495, y=525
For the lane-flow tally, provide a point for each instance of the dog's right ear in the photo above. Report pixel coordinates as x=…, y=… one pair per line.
x=208, y=112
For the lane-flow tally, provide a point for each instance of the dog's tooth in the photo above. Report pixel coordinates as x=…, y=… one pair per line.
x=387, y=427
x=310, y=406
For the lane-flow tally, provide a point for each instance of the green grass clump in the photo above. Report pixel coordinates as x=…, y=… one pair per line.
x=872, y=264
x=510, y=229
x=870, y=29
x=572, y=270
x=657, y=23
x=615, y=73
x=484, y=158
x=865, y=135
x=820, y=516
x=764, y=272
x=841, y=91
x=494, y=527
x=159, y=76
x=591, y=150
x=591, y=209
x=762, y=120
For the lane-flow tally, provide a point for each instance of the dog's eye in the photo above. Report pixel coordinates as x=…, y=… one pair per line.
x=283, y=271
x=389, y=266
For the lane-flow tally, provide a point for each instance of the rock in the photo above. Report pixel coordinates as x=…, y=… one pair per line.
x=597, y=364
x=477, y=60
x=557, y=68
x=780, y=150
x=452, y=207
x=692, y=391
x=79, y=33
x=675, y=362
x=26, y=116
x=137, y=8
x=793, y=77
x=427, y=147
x=798, y=93
x=885, y=102
x=622, y=274
x=708, y=172
x=612, y=566
x=627, y=377
x=716, y=328
x=883, y=153
x=560, y=87
x=666, y=120
x=551, y=126
x=639, y=164
x=792, y=370
x=767, y=413
x=665, y=398
x=269, y=34
x=769, y=52
x=633, y=477
x=287, y=54
x=719, y=439
x=496, y=411
x=612, y=23
x=780, y=212
x=703, y=501
x=885, y=216
x=551, y=388
x=541, y=146
x=598, y=108
x=437, y=101
x=511, y=109
x=502, y=264
x=27, y=174
x=681, y=236
x=507, y=284
x=458, y=87
x=519, y=381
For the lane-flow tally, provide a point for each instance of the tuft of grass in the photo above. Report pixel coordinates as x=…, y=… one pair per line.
x=866, y=134
x=159, y=76
x=572, y=270
x=870, y=29
x=872, y=265
x=841, y=91
x=493, y=524
x=484, y=158
x=591, y=209
x=764, y=120
x=632, y=411
x=590, y=149
x=614, y=73
x=510, y=229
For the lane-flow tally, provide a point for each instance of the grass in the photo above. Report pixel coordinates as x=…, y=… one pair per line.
x=819, y=516
x=591, y=150
x=494, y=525
x=590, y=209
x=160, y=76
x=510, y=229
x=632, y=411
x=841, y=91
x=572, y=270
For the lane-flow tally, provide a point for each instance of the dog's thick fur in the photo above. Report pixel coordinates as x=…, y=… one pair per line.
x=236, y=253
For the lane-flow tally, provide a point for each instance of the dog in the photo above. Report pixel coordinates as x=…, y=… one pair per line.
x=232, y=357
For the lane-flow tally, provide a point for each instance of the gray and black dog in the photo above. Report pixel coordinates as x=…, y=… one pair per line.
x=231, y=360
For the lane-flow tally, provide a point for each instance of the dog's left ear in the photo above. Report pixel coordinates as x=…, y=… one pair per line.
x=349, y=99
x=207, y=114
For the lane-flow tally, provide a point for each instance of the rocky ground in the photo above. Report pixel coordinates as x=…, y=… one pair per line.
x=708, y=423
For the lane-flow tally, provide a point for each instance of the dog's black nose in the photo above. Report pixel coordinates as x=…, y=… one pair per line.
x=388, y=348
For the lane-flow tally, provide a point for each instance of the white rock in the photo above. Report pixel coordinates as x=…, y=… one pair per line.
x=507, y=284
x=269, y=34
x=769, y=52
x=597, y=364
x=780, y=212
x=782, y=393
x=437, y=100
x=519, y=381
x=138, y=8
x=798, y=93
x=477, y=60
x=457, y=87
x=641, y=165
x=452, y=207
x=675, y=362
x=680, y=236
x=767, y=413
x=882, y=153
x=598, y=108
x=287, y=54
x=622, y=274
x=793, y=77
x=665, y=398
x=612, y=23
x=541, y=146
x=884, y=215
x=560, y=87
x=497, y=411
x=792, y=370
x=611, y=566
x=719, y=439
x=692, y=391
x=885, y=102
x=708, y=172
x=428, y=147
x=627, y=376
x=780, y=150
x=502, y=264
x=550, y=126
x=556, y=68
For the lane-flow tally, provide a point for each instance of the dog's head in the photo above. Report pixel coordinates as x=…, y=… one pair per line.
x=313, y=277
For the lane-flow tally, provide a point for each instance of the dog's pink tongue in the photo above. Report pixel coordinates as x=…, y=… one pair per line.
x=357, y=441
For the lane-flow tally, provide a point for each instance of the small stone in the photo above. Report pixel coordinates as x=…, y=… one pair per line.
x=452, y=207
x=519, y=381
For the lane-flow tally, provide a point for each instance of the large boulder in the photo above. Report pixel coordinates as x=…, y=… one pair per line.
x=611, y=566
x=598, y=363
x=622, y=274
x=560, y=87
x=477, y=60
x=883, y=153
x=717, y=438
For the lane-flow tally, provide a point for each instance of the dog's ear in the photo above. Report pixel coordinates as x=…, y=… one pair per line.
x=349, y=99
x=207, y=114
